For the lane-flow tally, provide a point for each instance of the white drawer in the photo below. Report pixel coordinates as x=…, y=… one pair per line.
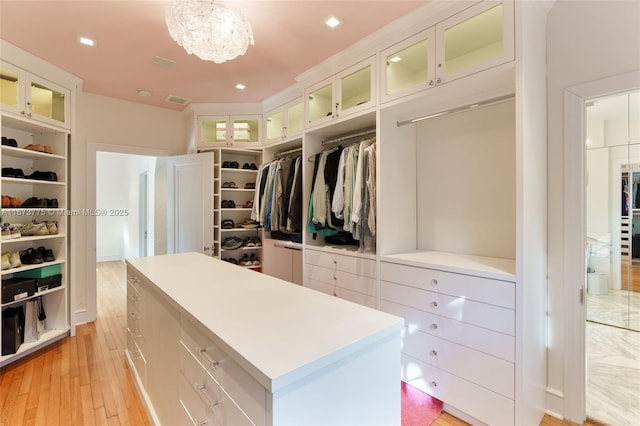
x=484, y=370
x=495, y=292
x=241, y=387
x=354, y=296
x=476, y=401
x=203, y=399
x=479, y=338
x=320, y=286
x=352, y=264
x=457, y=308
x=346, y=280
x=137, y=357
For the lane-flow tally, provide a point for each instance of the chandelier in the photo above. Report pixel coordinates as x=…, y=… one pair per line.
x=210, y=30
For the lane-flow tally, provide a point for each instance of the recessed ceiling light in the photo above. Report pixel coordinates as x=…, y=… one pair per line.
x=240, y=86
x=86, y=41
x=396, y=59
x=144, y=93
x=332, y=22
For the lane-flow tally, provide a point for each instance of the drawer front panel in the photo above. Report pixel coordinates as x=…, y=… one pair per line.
x=319, y=286
x=495, y=292
x=484, y=370
x=320, y=273
x=241, y=387
x=204, y=399
x=346, y=280
x=352, y=264
x=354, y=296
x=135, y=353
x=474, y=400
x=490, y=342
x=492, y=317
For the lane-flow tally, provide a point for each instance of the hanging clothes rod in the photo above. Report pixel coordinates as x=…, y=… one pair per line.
x=285, y=153
x=347, y=137
x=459, y=109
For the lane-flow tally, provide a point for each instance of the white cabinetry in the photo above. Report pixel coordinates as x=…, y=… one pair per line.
x=225, y=131
x=456, y=326
x=43, y=187
x=232, y=355
x=32, y=97
x=347, y=93
x=347, y=276
x=284, y=123
x=282, y=259
x=475, y=39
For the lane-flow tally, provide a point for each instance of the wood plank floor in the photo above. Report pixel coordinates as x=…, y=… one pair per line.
x=84, y=380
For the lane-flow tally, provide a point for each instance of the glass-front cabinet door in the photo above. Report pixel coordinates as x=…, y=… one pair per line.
x=275, y=126
x=284, y=123
x=213, y=131
x=409, y=66
x=295, y=119
x=356, y=88
x=48, y=102
x=222, y=131
x=10, y=85
x=320, y=102
x=246, y=131
x=477, y=38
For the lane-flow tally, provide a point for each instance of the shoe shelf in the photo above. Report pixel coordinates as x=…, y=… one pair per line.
x=30, y=267
x=47, y=336
x=245, y=171
x=34, y=295
x=237, y=190
x=32, y=181
x=243, y=248
x=28, y=154
x=240, y=230
x=33, y=238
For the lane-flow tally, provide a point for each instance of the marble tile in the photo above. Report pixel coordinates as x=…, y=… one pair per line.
x=613, y=375
x=618, y=307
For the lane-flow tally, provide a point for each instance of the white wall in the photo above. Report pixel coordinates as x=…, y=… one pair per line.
x=587, y=40
x=107, y=124
x=118, y=194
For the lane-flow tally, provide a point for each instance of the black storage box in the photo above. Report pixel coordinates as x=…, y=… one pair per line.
x=12, y=329
x=47, y=283
x=14, y=289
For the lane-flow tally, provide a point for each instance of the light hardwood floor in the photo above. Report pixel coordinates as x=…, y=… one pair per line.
x=84, y=380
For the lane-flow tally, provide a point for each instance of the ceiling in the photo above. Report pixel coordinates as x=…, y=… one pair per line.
x=289, y=38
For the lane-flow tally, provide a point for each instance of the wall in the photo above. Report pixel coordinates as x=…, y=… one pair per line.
x=586, y=41
x=118, y=194
x=107, y=124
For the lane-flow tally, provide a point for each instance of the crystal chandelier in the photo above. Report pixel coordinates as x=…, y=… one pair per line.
x=210, y=30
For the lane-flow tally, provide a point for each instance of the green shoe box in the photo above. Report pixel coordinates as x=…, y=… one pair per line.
x=43, y=272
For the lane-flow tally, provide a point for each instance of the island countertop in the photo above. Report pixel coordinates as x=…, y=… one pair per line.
x=278, y=331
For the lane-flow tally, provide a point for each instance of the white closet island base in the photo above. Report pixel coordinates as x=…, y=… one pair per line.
x=212, y=343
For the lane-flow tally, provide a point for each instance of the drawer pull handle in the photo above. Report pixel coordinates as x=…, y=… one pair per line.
x=434, y=304
x=434, y=384
x=135, y=333
x=434, y=352
x=211, y=404
x=135, y=355
x=134, y=317
x=213, y=365
x=434, y=326
x=134, y=299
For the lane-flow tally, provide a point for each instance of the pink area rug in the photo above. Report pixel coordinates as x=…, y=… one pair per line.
x=418, y=408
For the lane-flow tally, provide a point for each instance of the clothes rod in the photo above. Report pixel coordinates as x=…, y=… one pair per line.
x=458, y=109
x=283, y=153
x=347, y=137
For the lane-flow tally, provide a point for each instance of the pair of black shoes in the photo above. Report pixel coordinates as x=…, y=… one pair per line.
x=9, y=142
x=230, y=165
x=40, y=203
x=33, y=256
x=10, y=172
x=38, y=175
x=228, y=204
x=247, y=166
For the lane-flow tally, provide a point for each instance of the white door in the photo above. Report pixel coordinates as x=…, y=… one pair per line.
x=190, y=203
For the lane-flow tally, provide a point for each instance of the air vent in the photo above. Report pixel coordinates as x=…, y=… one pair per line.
x=176, y=100
x=163, y=62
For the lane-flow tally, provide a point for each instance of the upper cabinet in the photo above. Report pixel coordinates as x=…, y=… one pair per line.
x=224, y=131
x=477, y=38
x=24, y=94
x=348, y=92
x=284, y=123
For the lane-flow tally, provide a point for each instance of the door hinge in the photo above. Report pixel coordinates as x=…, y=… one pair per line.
x=582, y=295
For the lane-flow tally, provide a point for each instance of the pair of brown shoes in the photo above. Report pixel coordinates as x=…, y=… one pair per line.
x=11, y=202
x=40, y=148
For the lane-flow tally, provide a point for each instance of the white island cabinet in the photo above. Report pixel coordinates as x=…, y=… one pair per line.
x=212, y=343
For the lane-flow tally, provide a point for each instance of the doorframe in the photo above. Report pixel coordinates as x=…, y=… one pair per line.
x=574, y=274
x=92, y=150
x=143, y=222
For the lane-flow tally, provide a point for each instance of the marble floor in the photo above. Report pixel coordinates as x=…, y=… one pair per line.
x=618, y=307
x=613, y=375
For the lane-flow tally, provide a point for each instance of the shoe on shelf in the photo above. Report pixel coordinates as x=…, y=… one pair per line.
x=249, y=224
x=51, y=203
x=245, y=260
x=34, y=202
x=38, y=175
x=52, y=227
x=250, y=185
x=14, y=259
x=31, y=257
x=234, y=165
x=6, y=264
x=246, y=166
x=9, y=142
x=48, y=149
x=15, y=231
x=228, y=224
x=47, y=254
x=35, y=147
x=35, y=229
x=225, y=164
x=224, y=204
x=248, y=204
x=231, y=204
x=6, y=231
x=7, y=172
x=14, y=202
x=253, y=166
x=6, y=201
x=232, y=243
